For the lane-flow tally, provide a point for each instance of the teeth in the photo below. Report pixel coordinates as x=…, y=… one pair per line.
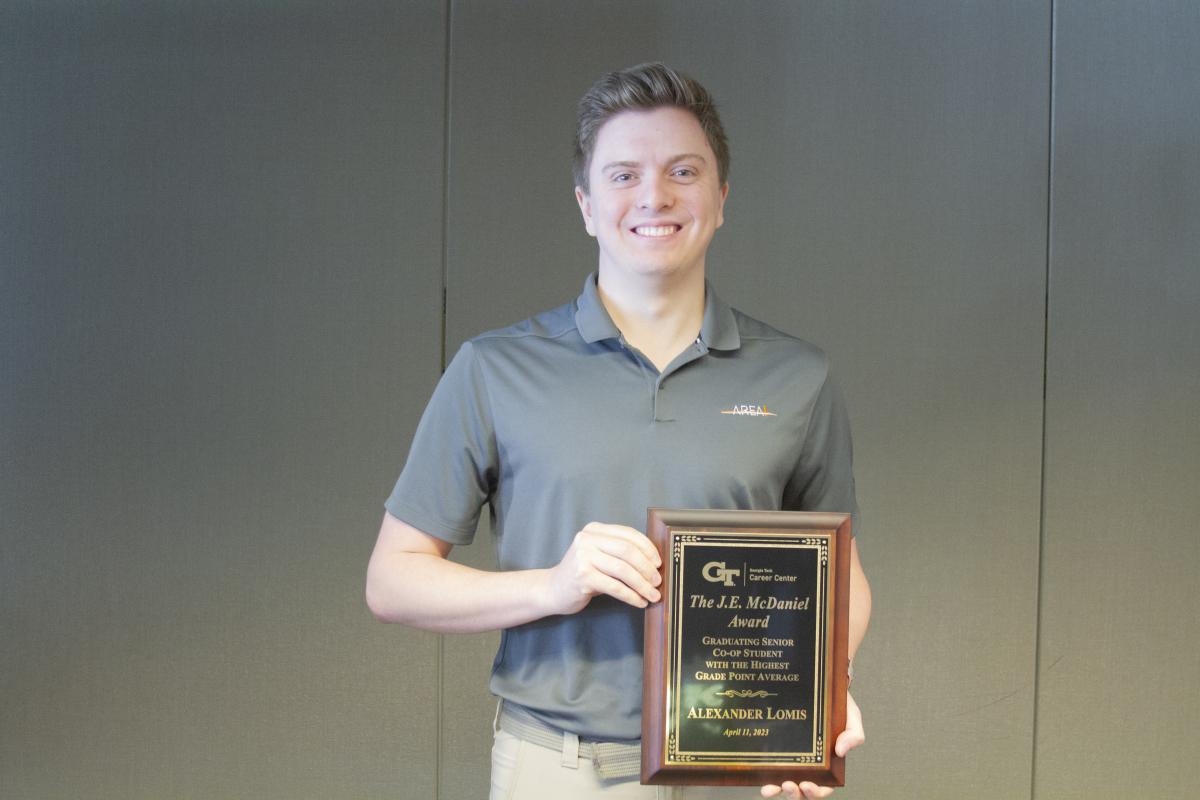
x=656, y=230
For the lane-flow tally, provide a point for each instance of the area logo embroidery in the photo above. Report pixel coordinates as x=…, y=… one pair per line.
x=748, y=410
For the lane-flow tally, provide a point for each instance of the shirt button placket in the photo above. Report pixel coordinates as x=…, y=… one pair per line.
x=662, y=408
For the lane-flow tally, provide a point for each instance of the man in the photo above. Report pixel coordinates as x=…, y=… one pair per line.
x=570, y=424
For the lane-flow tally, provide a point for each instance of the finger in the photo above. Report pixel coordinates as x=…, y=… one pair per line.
x=848, y=740
x=853, y=735
x=791, y=790
x=630, y=535
x=629, y=543
x=770, y=790
x=625, y=551
x=812, y=791
x=589, y=543
x=599, y=583
x=625, y=573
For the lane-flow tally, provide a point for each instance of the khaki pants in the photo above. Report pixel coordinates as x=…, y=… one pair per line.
x=522, y=770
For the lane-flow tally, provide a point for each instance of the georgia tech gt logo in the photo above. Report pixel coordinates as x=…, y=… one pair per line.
x=715, y=572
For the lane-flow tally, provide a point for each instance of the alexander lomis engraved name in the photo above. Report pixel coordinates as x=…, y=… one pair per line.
x=708, y=712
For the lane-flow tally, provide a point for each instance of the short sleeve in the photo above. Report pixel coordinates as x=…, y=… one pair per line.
x=823, y=479
x=452, y=465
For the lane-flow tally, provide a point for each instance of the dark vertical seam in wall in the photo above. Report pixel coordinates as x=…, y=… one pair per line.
x=446, y=22
x=447, y=17
x=1037, y=650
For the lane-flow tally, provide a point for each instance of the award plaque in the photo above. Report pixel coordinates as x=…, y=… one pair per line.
x=745, y=655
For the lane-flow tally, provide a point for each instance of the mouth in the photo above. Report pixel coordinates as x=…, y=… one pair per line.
x=656, y=231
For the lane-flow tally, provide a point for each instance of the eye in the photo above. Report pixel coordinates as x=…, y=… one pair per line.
x=622, y=177
x=683, y=172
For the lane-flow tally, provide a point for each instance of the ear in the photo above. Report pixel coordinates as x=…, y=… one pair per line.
x=721, y=205
x=585, y=208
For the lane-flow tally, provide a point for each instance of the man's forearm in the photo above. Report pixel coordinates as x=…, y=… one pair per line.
x=409, y=580
x=428, y=592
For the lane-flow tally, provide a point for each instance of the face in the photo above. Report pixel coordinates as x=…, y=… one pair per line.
x=655, y=198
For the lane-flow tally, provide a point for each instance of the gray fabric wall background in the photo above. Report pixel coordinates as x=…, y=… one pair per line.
x=237, y=239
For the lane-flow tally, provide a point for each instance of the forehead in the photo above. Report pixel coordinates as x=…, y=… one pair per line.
x=658, y=133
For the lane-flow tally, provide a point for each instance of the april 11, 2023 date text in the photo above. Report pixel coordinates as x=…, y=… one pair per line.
x=747, y=731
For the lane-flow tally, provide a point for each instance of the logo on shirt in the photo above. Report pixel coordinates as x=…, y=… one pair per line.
x=748, y=410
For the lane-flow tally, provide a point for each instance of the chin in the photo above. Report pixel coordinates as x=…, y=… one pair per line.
x=669, y=270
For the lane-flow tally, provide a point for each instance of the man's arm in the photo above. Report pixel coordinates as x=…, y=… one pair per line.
x=853, y=736
x=410, y=580
x=860, y=601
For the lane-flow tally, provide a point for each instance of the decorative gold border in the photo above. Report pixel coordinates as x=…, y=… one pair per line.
x=810, y=540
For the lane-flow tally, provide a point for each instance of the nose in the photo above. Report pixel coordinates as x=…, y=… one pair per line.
x=655, y=193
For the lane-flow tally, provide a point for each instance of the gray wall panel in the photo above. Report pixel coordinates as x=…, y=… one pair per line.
x=1119, y=700
x=888, y=201
x=218, y=289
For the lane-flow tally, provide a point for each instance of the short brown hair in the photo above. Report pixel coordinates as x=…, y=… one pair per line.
x=642, y=88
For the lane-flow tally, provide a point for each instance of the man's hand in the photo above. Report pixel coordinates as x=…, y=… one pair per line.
x=615, y=560
x=850, y=738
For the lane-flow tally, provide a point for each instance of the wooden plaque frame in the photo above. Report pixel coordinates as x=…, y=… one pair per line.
x=679, y=746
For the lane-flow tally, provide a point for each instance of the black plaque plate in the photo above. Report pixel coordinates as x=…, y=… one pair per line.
x=745, y=655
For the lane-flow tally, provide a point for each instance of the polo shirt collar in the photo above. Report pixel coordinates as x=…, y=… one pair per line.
x=591, y=318
x=718, y=331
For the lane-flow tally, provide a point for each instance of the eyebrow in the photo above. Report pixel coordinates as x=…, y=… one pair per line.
x=672, y=160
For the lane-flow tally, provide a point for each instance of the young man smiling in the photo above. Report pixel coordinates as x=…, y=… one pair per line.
x=653, y=196
x=595, y=411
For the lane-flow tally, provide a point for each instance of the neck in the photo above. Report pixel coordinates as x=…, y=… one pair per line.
x=658, y=316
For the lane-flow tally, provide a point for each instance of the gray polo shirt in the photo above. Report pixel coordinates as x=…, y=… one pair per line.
x=556, y=422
